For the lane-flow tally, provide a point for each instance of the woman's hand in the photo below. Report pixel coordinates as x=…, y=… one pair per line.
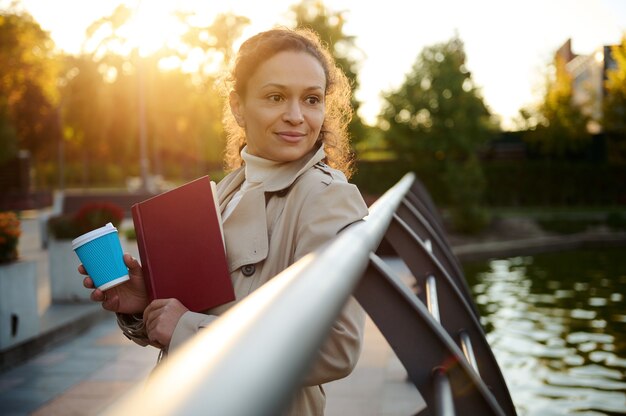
x=129, y=297
x=161, y=317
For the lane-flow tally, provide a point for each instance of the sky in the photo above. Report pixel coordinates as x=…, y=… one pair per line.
x=508, y=44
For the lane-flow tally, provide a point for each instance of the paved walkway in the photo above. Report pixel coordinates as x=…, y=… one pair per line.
x=78, y=377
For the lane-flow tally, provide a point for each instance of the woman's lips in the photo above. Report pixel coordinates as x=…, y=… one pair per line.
x=291, y=136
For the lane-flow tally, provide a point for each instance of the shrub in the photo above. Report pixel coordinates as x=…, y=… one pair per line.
x=10, y=231
x=616, y=220
x=97, y=214
x=130, y=234
x=64, y=227
x=565, y=225
x=90, y=216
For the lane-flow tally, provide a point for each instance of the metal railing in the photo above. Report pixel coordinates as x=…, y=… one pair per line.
x=261, y=348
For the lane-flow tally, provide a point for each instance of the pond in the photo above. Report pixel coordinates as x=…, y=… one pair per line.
x=557, y=326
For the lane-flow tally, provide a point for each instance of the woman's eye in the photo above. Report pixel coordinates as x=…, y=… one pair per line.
x=275, y=98
x=312, y=100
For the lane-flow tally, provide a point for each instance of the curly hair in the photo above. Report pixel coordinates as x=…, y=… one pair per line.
x=261, y=47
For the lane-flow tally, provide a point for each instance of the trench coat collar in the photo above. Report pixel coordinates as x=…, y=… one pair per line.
x=284, y=177
x=287, y=173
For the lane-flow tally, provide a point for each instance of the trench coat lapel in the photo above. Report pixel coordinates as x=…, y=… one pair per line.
x=246, y=230
x=228, y=186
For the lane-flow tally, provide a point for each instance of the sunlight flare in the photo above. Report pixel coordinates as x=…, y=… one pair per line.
x=154, y=26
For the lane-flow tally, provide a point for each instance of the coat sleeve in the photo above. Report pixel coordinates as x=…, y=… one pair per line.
x=133, y=328
x=324, y=214
x=188, y=325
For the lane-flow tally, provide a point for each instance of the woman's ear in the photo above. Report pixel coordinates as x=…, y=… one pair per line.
x=235, y=108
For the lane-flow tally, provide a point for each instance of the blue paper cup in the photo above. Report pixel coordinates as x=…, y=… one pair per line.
x=100, y=251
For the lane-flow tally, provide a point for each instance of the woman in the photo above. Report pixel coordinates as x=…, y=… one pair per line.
x=287, y=194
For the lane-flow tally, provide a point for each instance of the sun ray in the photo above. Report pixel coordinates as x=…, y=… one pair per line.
x=153, y=26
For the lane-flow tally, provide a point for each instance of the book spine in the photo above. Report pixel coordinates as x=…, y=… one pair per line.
x=141, y=245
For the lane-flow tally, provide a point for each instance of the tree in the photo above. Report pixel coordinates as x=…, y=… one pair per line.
x=438, y=118
x=28, y=115
x=216, y=40
x=614, y=105
x=329, y=25
x=86, y=121
x=8, y=139
x=557, y=127
x=182, y=110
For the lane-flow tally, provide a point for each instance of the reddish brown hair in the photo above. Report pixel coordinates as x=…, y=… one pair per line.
x=261, y=47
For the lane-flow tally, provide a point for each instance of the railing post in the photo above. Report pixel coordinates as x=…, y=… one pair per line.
x=431, y=297
x=456, y=309
x=444, y=402
x=420, y=342
x=468, y=350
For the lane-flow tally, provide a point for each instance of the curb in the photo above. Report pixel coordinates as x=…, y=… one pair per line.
x=19, y=353
x=537, y=245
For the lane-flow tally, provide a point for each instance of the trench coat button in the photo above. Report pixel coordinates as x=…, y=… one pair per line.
x=248, y=270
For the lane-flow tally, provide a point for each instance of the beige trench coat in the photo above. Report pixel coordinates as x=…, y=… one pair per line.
x=273, y=225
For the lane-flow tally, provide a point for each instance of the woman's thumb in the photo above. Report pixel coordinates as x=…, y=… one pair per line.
x=131, y=262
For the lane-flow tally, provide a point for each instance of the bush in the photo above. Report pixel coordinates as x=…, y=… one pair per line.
x=543, y=184
x=469, y=219
x=10, y=231
x=616, y=220
x=566, y=226
x=97, y=214
x=64, y=227
x=130, y=234
x=90, y=216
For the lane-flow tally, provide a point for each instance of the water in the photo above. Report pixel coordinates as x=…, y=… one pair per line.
x=557, y=325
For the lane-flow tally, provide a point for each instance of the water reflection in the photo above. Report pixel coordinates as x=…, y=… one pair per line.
x=557, y=325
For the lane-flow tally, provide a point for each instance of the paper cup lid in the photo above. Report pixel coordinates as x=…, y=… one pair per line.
x=92, y=235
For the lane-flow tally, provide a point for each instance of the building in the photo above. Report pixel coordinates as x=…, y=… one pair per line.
x=588, y=74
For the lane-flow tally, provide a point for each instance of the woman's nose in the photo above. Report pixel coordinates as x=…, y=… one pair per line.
x=293, y=113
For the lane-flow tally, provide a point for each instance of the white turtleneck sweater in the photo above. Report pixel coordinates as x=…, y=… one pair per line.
x=257, y=170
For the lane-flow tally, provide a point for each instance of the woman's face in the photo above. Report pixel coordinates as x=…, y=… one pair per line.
x=283, y=108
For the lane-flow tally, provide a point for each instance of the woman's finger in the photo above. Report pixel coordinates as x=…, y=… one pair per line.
x=131, y=263
x=149, y=313
x=88, y=283
x=98, y=296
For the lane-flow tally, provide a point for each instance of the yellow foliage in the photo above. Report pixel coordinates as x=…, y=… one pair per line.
x=10, y=231
x=616, y=78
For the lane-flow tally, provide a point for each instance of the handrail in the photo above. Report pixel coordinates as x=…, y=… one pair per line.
x=257, y=338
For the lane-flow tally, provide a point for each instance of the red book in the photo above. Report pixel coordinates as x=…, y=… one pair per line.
x=181, y=245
